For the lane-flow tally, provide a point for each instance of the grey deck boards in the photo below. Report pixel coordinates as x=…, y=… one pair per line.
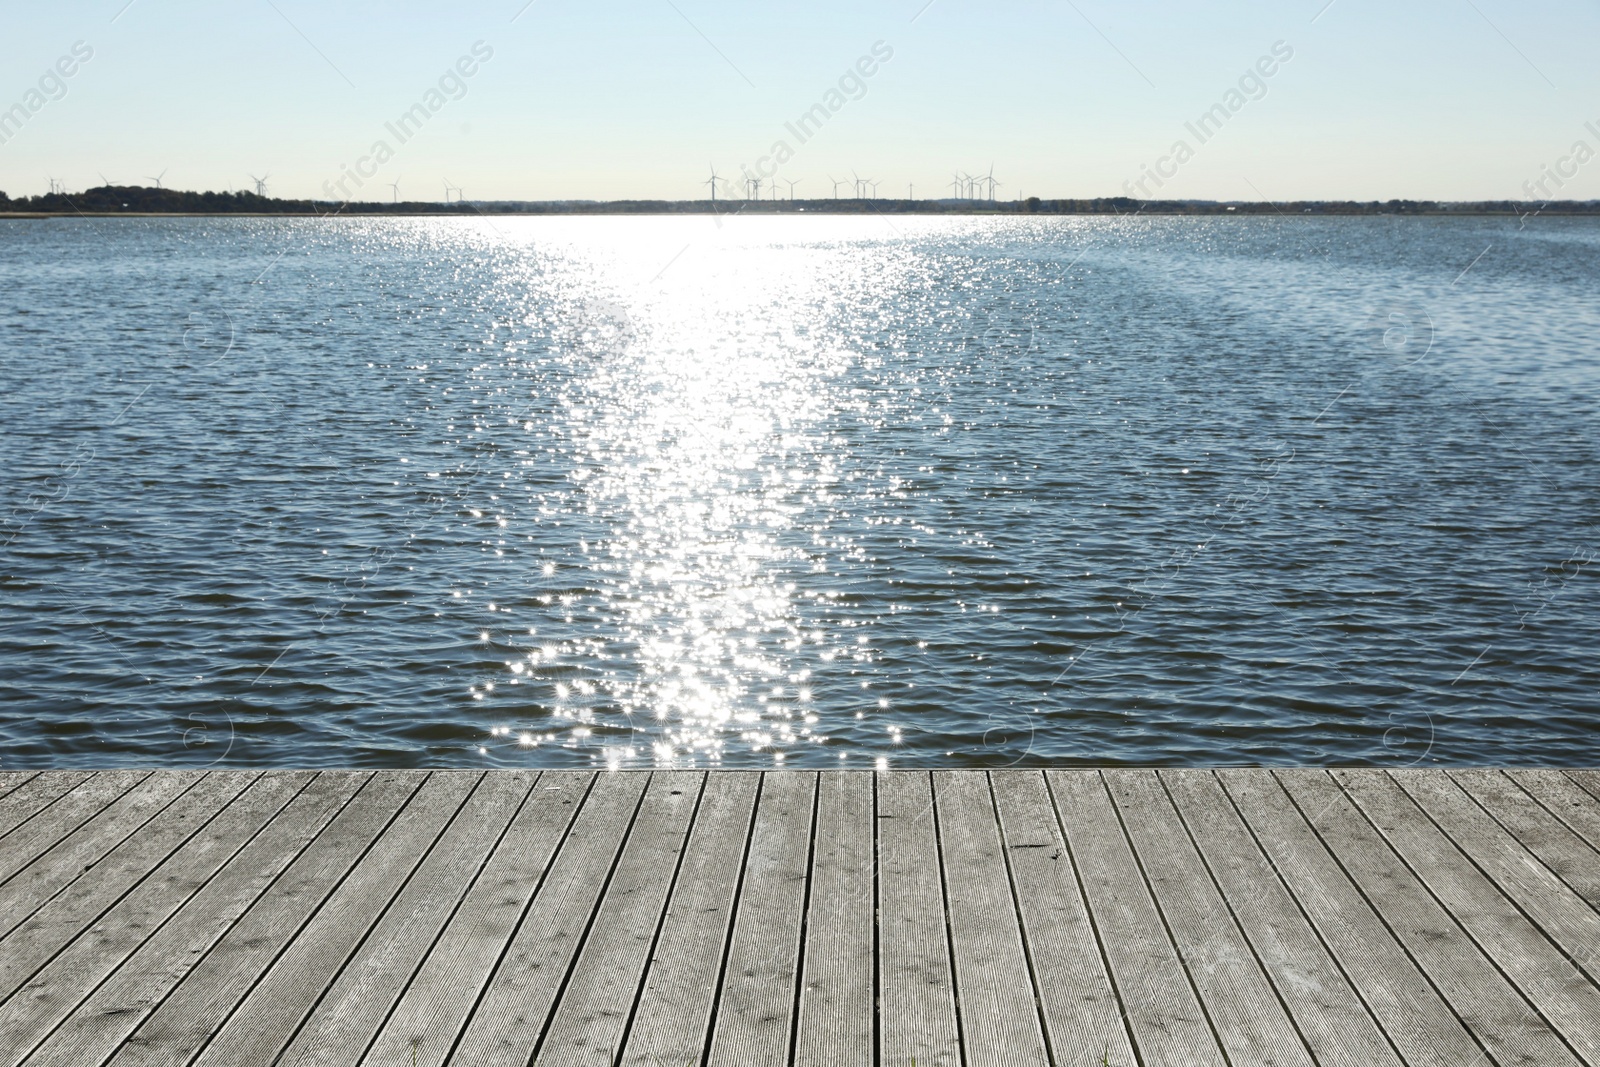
x=370, y=984
x=192, y=1013
x=1240, y=999
x=590, y=1018
x=440, y=998
x=835, y=1024
x=1168, y=1025
x=953, y=918
x=673, y=1012
x=999, y=1023
x=28, y=796
x=1497, y=1013
x=279, y=814
x=509, y=1021
x=916, y=993
x=756, y=1006
x=1397, y=993
x=1077, y=1002
x=1326, y=1007
x=329, y=946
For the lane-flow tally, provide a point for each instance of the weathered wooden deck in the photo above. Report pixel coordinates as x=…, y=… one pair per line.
x=678, y=918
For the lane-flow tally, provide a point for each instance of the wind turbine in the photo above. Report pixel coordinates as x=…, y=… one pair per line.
x=712, y=182
x=874, y=183
x=395, y=188
x=158, y=177
x=261, y=184
x=836, y=183
x=447, y=189
x=53, y=189
x=104, y=180
x=989, y=178
x=749, y=184
x=955, y=185
x=911, y=191
x=792, y=183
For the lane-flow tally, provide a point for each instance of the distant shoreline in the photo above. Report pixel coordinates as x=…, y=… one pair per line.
x=1576, y=211
x=144, y=202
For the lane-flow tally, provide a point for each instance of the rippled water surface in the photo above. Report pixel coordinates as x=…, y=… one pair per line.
x=799, y=491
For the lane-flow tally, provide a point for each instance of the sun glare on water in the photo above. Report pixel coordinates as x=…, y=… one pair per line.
x=699, y=443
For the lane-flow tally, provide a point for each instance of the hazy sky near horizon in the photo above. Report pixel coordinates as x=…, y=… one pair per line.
x=1439, y=99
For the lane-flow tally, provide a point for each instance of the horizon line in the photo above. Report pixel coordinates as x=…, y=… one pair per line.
x=170, y=201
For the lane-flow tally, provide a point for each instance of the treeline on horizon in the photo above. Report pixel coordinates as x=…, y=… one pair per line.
x=143, y=200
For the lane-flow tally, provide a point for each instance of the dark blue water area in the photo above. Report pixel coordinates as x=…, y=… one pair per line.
x=805, y=492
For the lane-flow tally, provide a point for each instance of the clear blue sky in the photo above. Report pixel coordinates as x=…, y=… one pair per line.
x=1449, y=99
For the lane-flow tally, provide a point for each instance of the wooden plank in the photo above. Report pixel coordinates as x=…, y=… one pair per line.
x=1449, y=915
x=1163, y=1011
x=1242, y=1002
x=202, y=1002
x=10, y=781
x=35, y=795
x=1416, y=1019
x=1077, y=1000
x=350, y=1013
x=1244, y=1008
x=995, y=992
x=439, y=999
x=136, y=935
x=1589, y=779
x=1565, y=799
x=35, y=837
x=1489, y=1006
x=1330, y=1016
x=1537, y=968
x=281, y=1001
x=756, y=1012
x=592, y=1015
x=506, y=1025
x=672, y=1021
x=32, y=943
x=1568, y=856
x=68, y=859
x=917, y=1005
x=836, y=1021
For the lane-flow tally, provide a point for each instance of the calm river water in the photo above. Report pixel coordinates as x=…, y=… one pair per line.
x=819, y=492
